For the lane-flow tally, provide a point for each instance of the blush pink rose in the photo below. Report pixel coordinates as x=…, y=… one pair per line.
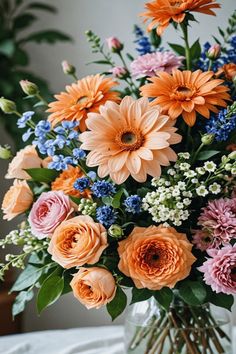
x=25, y=158
x=93, y=287
x=48, y=212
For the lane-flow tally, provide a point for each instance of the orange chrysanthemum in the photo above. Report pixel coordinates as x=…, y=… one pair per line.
x=162, y=12
x=228, y=71
x=84, y=96
x=186, y=93
x=132, y=138
x=65, y=183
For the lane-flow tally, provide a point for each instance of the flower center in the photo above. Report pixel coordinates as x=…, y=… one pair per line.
x=233, y=274
x=82, y=99
x=184, y=90
x=183, y=93
x=129, y=139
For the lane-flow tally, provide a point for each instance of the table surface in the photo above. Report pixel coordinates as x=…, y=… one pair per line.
x=91, y=340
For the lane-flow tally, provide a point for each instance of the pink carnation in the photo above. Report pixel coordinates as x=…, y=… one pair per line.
x=220, y=270
x=219, y=219
x=48, y=212
x=149, y=64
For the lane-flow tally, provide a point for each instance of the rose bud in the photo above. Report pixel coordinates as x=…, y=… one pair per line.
x=7, y=106
x=114, y=44
x=214, y=52
x=67, y=68
x=29, y=88
x=5, y=152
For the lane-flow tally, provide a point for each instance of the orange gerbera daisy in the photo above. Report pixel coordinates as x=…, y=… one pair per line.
x=65, y=183
x=132, y=138
x=185, y=93
x=86, y=95
x=163, y=11
x=228, y=71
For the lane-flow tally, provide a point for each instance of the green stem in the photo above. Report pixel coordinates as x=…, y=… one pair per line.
x=75, y=77
x=184, y=28
x=210, y=64
x=197, y=152
x=17, y=113
x=41, y=99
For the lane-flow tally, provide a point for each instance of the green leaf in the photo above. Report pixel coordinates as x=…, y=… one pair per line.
x=99, y=62
x=43, y=7
x=20, y=301
x=21, y=57
x=155, y=39
x=49, y=36
x=204, y=155
x=177, y=48
x=130, y=57
x=7, y=47
x=75, y=200
x=118, y=304
x=49, y=292
x=164, y=297
x=107, y=200
x=23, y=21
x=220, y=300
x=221, y=32
x=195, y=50
x=140, y=295
x=27, y=278
x=192, y=292
x=44, y=175
x=39, y=104
x=117, y=198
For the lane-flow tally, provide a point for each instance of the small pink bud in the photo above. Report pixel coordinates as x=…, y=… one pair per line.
x=67, y=68
x=114, y=44
x=29, y=88
x=214, y=52
x=119, y=72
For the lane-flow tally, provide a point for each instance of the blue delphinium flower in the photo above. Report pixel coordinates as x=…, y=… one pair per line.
x=26, y=116
x=103, y=189
x=42, y=128
x=81, y=184
x=144, y=45
x=79, y=153
x=233, y=42
x=221, y=125
x=106, y=215
x=133, y=204
x=27, y=135
x=92, y=175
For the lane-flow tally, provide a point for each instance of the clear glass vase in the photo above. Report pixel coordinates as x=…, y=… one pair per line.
x=182, y=330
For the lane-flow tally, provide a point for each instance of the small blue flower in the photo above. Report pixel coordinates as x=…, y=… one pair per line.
x=69, y=125
x=58, y=163
x=106, y=215
x=22, y=122
x=73, y=135
x=81, y=184
x=59, y=130
x=79, y=153
x=27, y=135
x=60, y=141
x=233, y=42
x=42, y=128
x=103, y=189
x=231, y=55
x=144, y=45
x=133, y=204
x=221, y=125
x=92, y=175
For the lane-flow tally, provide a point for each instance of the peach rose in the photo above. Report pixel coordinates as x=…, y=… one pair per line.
x=17, y=200
x=24, y=159
x=93, y=287
x=78, y=241
x=155, y=257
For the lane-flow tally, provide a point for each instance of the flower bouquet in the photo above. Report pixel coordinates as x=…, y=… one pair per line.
x=129, y=182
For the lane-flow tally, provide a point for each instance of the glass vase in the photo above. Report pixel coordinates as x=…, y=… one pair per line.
x=182, y=330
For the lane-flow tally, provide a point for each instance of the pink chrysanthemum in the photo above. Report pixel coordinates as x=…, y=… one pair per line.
x=203, y=240
x=149, y=64
x=219, y=220
x=220, y=270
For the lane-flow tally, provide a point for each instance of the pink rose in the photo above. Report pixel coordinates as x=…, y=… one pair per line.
x=24, y=159
x=48, y=212
x=114, y=44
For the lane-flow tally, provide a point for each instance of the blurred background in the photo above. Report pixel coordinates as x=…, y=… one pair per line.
x=42, y=38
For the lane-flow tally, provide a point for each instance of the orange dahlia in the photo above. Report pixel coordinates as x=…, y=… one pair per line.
x=162, y=12
x=86, y=95
x=65, y=183
x=132, y=138
x=186, y=93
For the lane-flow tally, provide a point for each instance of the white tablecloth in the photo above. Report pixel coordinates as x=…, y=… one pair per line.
x=91, y=340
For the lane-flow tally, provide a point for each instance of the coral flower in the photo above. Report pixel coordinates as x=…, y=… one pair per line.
x=186, y=93
x=65, y=183
x=132, y=138
x=84, y=96
x=162, y=12
x=155, y=257
x=228, y=71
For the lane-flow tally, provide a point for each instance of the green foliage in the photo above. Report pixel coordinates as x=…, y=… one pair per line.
x=205, y=155
x=21, y=300
x=17, y=16
x=220, y=300
x=164, y=297
x=140, y=295
x=44, y=175
x=50, y=291
x=118, y=304
x=27, y=278
x=193, y=292
x=179, y=49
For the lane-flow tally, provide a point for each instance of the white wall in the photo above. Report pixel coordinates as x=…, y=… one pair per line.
x=106, y=18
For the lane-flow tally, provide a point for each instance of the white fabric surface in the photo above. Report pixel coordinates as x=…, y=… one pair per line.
x=91, y=340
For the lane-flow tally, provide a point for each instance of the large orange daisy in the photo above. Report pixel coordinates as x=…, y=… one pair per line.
x=186, y=93
x=132, y=138
x=86, y=95
x=65, y=183
x=162, y=12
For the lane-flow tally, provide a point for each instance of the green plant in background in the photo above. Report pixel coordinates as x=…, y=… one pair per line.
x=16, y=16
